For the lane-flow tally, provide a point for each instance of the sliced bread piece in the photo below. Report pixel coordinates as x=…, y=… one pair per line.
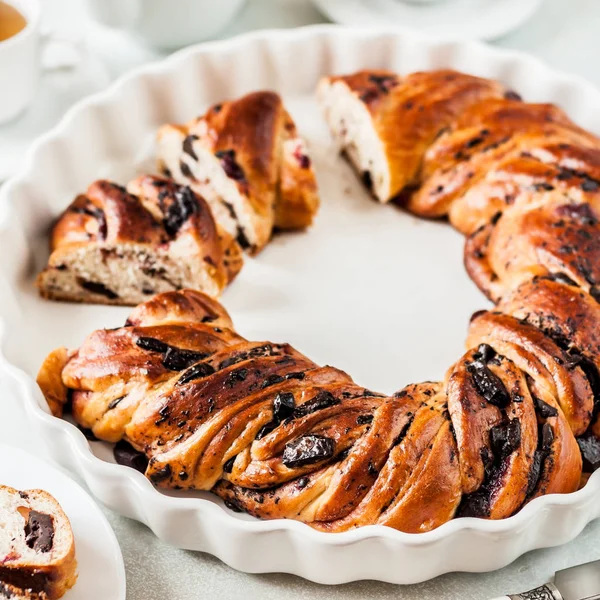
x=120, y=246
x=247, y=160
x=384, y=123
x=37, y=548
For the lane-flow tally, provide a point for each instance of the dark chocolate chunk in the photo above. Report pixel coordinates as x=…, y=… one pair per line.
x=188, y=146
x=228, y=466
x=543, y=186
x=272, y=379
x=114, y=403
x=364, y=419
x=595, y=293
x=547, y=437
x=367, y=180
x=39, y=531
x=152, y=344
x=241, y=239
x=544, y=409
x=196, y=372
x=489, y=385
x=230, y=166
x=283, y=406
x=185, y=170
x=475, y=505
x=304, y=161
x=266, y=430
x=323, y=399
x=590, y=185
x=472, y=143
x=506, y=438
x=589, y=445
x=234, y=506
x=384, y=83
x=176, y=359
x=236, y=376
x=300, y=375
x=307, y=450
x=512, y=95
x=97, y=288
x=88, y=433
x=125, y=454
x=535, y=471
x=184, y=205
x=161, y=474
x=302, y=482
x=484, y=353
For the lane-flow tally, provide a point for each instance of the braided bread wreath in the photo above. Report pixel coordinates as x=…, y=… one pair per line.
x=277, y=435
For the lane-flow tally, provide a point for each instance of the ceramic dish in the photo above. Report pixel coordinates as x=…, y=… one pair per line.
x=456, y=19
x=338, y=293
x=99, y=561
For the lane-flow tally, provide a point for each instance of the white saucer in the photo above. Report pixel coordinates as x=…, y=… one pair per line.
x=100, y=563
x=456, y=19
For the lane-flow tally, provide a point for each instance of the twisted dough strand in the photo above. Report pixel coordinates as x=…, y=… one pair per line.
x=277, y=435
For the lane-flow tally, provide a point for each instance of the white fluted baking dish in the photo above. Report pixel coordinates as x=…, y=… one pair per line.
x=369, y=289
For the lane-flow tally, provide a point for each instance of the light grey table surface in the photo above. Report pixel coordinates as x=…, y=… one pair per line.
x=564, y=34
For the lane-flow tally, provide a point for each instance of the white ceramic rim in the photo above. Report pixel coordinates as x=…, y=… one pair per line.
x=134, y=483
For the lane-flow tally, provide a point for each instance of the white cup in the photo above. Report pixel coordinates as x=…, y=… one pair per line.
x=20, y=62
x=167, y=23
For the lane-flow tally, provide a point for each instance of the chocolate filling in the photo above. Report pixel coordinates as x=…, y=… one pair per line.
x=323, y=399
x=188, y=146
x=488, y=384
x=198, y=371
x=174, y=359
x=125, y=454
x=97, y=288
x=307, y=450
x=589, y=445
x=230, y=165
x=32, y=582
x=184, y=205
x=39, y=531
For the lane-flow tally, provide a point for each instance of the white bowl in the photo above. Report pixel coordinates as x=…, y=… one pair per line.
x=316, y=290
x=172, y=24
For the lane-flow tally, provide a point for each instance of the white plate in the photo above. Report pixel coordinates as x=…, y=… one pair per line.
x=451, y=19
x=369, y=289
x=99, y=561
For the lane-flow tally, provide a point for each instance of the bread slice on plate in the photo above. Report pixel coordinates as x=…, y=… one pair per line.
x=384, y=123
x=37, y=549
x=120, y=246
x=246, y=158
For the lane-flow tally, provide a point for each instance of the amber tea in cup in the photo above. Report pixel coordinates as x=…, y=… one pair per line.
x=11, y=21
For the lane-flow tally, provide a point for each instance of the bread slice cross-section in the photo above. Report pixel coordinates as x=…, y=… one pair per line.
x=37, y=548
x=247, y=160
x=120, y=246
